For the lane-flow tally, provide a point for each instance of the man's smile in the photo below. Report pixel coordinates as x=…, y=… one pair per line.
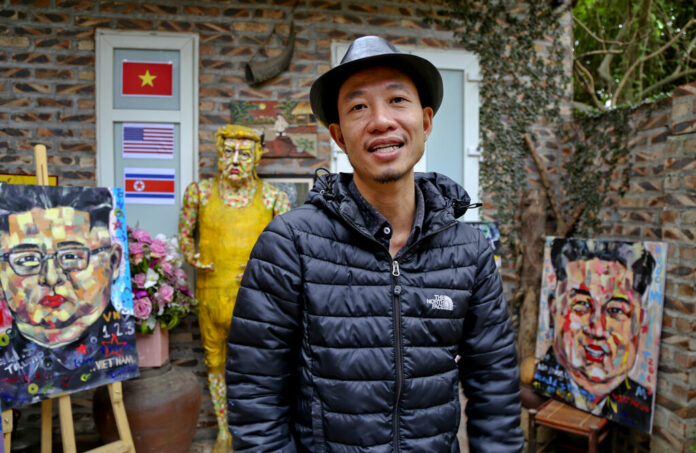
x=385, y=148
x=385, y=144
x=595, y=353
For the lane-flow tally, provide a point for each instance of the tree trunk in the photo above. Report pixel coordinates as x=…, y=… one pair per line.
x=634, y=51
x=533, y=228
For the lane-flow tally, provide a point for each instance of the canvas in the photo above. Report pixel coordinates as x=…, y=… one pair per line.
x=491, y=232
x=296, y=187
x=288, y=127
x=65, y=323
x=600, y=319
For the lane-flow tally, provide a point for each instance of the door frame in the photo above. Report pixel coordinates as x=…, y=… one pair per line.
x=186, y=116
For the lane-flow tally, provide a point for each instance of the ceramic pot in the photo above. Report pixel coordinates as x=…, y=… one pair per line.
x=162, y=407
x=153, y=348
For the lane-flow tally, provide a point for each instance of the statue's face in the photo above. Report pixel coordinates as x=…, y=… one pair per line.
x=236, y=159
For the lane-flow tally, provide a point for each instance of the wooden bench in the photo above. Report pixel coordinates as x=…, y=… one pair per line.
x=562, y=417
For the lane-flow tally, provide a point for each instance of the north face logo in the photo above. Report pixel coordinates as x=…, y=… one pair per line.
x=441, y=302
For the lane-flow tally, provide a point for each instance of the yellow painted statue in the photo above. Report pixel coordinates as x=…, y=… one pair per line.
x=231, y=210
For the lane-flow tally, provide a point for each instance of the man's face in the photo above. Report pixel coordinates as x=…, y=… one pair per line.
x=236, y=161
x=382, y=125
x=597, y=319
x=58, y=273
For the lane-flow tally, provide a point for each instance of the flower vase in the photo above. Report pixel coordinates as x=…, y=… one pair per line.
x=153, y=348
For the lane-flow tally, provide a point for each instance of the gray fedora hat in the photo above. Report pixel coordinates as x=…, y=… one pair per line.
x=373, y=51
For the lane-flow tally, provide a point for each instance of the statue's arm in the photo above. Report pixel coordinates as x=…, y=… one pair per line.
x=188, y=220
x=281, y=204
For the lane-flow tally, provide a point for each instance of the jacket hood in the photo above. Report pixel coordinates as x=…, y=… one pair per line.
x=445, y=200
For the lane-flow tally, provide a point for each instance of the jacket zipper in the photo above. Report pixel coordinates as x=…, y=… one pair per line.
x=396, y=272
x=399, y=349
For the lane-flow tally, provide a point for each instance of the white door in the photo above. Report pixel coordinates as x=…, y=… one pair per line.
x=147, y=133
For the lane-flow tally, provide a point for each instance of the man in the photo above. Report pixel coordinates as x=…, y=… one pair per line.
x=597, y=314
x=360, y=310
x=57, y=264
x=230, y=210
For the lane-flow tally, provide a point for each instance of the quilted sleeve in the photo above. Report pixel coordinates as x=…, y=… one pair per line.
x=488, y=366
x=263, y=343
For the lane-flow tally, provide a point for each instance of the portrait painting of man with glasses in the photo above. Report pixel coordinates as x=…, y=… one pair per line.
x=58, y=261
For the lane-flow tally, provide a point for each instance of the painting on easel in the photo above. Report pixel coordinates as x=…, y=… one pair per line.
x=600, y=320
x=65, y=280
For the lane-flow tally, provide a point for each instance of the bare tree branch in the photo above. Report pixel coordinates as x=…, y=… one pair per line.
x=667, y=80
x=604, y=69
x=595, y=52
x=588, y=80
x=667, y=45
x=577, y=105
x=597, y=38
x=545, y=182
x=689, y=48
x=563, y=232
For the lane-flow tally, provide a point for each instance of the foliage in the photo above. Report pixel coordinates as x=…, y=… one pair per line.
x=160, y=285
x=520, y=86
x=629, y=51
x=598, y=164
x=524, y=84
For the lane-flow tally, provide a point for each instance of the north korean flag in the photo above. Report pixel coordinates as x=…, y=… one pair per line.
x=146, y=78
x=149, y=185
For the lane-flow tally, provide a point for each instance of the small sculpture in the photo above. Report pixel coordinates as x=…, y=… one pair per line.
x=231, y=210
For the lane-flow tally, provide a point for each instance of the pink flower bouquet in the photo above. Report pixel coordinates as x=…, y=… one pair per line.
x=160, y=286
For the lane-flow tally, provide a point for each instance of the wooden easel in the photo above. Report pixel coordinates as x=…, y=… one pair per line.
x=67, y=430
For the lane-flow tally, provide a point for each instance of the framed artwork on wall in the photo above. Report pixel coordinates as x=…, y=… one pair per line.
x=296, y=186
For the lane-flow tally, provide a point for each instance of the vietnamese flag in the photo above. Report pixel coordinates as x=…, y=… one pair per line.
x=144, y=78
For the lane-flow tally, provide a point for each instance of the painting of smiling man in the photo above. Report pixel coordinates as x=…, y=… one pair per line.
x=599, y=327
x=65, y=292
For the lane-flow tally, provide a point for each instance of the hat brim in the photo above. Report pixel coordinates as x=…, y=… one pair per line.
x=323, y=95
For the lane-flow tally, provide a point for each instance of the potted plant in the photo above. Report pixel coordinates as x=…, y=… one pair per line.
x=161, y=296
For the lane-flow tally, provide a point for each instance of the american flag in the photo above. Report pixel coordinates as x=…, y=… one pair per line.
x=148, y=141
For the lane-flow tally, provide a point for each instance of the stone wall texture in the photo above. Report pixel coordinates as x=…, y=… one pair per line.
x=47, y=65
x=661, y=206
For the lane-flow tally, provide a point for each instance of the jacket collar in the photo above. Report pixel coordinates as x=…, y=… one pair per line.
x=444, y=200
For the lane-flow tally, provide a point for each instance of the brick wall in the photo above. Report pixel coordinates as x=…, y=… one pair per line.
x=47, y=91
x=47, y=57
x=661, y=205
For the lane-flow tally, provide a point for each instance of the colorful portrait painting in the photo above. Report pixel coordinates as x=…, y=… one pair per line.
x=65, y=323
x=600, y=319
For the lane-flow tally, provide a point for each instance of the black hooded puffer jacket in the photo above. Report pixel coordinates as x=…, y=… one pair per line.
x=336, y=347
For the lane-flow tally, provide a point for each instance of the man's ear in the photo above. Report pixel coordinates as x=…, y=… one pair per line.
x=115, y=260
x=337, y=135
x=428, y=121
